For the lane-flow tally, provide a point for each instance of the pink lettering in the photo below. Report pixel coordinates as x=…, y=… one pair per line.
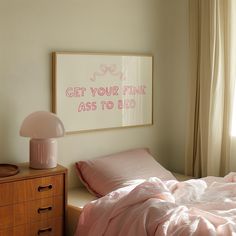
x=101, y=91
x=75, y=91
x=105, y=91
x=126, y=104
x=93, y=91
x=134, y=90
x=107, y=105
x=87, y=106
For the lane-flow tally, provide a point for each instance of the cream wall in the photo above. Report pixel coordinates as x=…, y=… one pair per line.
x=31, y=30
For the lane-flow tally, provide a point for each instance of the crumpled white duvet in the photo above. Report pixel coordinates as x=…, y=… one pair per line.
x=195, y=207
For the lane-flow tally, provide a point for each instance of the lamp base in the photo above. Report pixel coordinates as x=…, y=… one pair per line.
x=43, y=153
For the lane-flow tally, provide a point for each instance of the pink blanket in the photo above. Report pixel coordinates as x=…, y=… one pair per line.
x=194, y=207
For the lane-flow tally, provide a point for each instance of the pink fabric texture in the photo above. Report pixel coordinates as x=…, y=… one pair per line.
x=105, y=174
x=162, y=208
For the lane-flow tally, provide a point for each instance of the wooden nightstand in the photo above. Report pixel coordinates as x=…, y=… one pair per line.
x=33, y=202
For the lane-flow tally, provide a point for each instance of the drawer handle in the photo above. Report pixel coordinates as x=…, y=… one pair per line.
x=45, y=230
x=45, y=188
x=44, y=209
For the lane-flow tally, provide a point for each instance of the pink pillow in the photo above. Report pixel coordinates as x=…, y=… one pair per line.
x=105, y=174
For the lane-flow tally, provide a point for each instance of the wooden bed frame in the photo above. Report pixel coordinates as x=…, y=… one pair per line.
x=80, y=196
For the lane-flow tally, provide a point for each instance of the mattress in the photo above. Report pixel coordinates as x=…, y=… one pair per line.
x=79, y=197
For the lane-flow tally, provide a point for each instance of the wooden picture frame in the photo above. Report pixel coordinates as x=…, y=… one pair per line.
x=94, y=91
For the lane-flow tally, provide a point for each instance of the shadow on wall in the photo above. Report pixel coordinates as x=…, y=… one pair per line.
x=73, y=178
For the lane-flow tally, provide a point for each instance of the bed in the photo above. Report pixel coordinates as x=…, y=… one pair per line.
x=80, y=196
x=135, y=195
x=77, y=198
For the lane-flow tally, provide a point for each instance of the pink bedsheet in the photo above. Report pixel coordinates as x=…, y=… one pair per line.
x=194, y=207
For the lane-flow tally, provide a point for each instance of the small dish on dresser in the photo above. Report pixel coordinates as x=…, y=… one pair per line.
x=8, y=170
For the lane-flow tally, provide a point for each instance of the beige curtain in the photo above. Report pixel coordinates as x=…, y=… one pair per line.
x=211, y=92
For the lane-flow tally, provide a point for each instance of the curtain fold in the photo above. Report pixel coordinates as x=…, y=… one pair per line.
x=211, y=92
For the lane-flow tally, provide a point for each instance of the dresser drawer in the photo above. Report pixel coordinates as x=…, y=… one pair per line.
x=46, y=208
x=6, y=194
x=38, y=188
x=32, y=211
x=26, y=190
x=48, y=228
x=17, y=231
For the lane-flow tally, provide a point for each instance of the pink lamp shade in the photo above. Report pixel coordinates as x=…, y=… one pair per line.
x=43, y=128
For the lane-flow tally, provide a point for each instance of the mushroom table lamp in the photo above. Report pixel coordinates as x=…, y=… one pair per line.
x=43, y=128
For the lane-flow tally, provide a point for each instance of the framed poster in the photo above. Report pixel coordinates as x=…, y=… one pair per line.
x=99, y=91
